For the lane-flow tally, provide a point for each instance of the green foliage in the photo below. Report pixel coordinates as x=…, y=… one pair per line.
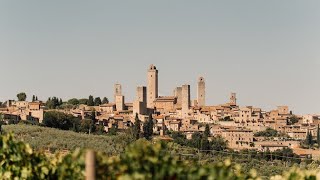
x=90, y=101
x=59, y=120
x=83, y=101
x=53, y=103
x=97, y=101
x=141, y=160
x=113, y=130
x=105, y=100
x=73, y=101
x=22, y=96
x=309, y=140
x=318, y=136
x=267, y=133
x=136, y=129
x=43, y=138
x=293, y=120
x=148, y=128
x=18, y=161
x=200, y=141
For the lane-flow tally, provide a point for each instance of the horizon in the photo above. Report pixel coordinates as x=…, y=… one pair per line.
x=266, y=52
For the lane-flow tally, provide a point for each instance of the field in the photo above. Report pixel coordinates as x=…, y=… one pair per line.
x=42, y=138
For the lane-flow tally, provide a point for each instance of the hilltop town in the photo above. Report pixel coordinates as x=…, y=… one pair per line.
x=242, y=127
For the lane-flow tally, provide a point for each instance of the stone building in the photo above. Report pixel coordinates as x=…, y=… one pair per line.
x=233, y=99
x=178, y=94
x=201, y=100
x=152, y=88
x=185, y=100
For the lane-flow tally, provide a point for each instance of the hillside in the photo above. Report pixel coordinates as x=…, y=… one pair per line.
x=42, y=138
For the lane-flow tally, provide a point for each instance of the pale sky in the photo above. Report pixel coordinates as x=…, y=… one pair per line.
x=268, y=52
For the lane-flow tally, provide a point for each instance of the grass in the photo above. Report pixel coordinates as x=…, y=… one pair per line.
x=42, y=138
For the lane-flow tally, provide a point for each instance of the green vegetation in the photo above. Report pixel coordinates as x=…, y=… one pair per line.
x=105, y=100
x=148, y=128
x=292, y=120
x=141, y=160
x=267, y=133
x=90, y=101
x=136, y=129
x=53, y=103
x=22, y=96
x=97, y=101
x=42, y=138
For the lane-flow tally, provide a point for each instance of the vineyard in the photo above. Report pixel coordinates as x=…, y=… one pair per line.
x=141, y=159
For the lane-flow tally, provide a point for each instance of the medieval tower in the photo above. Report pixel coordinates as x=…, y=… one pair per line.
x=201, y=92
x=233, y=99
x=152, y=87
x=185, y=100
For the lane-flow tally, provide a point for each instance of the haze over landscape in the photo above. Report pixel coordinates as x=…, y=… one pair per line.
x=77, y=48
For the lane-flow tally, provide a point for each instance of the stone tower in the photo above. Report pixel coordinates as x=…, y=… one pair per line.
x=140, y=104
x=152, y=88
x=233, y=99
x=117, y=91
x=201, y=92
x=185, y=100
x=178, y=93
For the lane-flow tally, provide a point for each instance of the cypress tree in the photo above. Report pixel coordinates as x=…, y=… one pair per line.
x=136, y=128
x=318, y=137
x=148, y=128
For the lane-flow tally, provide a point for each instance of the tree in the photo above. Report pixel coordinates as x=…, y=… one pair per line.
x=205, y=144
x=318, y=137
x=105, y=100
x=53, y=102
x=293, y=119
x=36, y=98
x=90, y=101
x=267, y=133
x=148, y=128
x=73, y=101
x=59, y=120
x=309, y=139
x=83, y=101
x=97, y=101
x=33, y=98
x=219, y=144
x=22, y=96
x=136, y=128
x=113, y=130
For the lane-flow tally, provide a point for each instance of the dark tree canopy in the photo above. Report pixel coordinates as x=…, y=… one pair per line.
x=148, y=128
x=59, y=120
x=136, y=128
x=90, y=101
x=73, y=101
x=97, y=101
x=22, y=96
x=83, y=101
x=105, y=100
x=53, y=103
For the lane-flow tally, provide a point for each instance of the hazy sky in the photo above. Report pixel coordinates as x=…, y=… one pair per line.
x=268, y=52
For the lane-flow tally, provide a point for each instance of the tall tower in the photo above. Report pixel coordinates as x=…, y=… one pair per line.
x=185, y=100
x=117, y=91
x=178, y=93
x=152, y=88
x=201, y=92
x=233, y=99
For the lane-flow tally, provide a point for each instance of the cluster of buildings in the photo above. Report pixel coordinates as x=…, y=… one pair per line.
x=178, y=112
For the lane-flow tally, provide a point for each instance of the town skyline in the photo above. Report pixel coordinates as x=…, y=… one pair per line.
x=193, y=94
x=267, y=58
